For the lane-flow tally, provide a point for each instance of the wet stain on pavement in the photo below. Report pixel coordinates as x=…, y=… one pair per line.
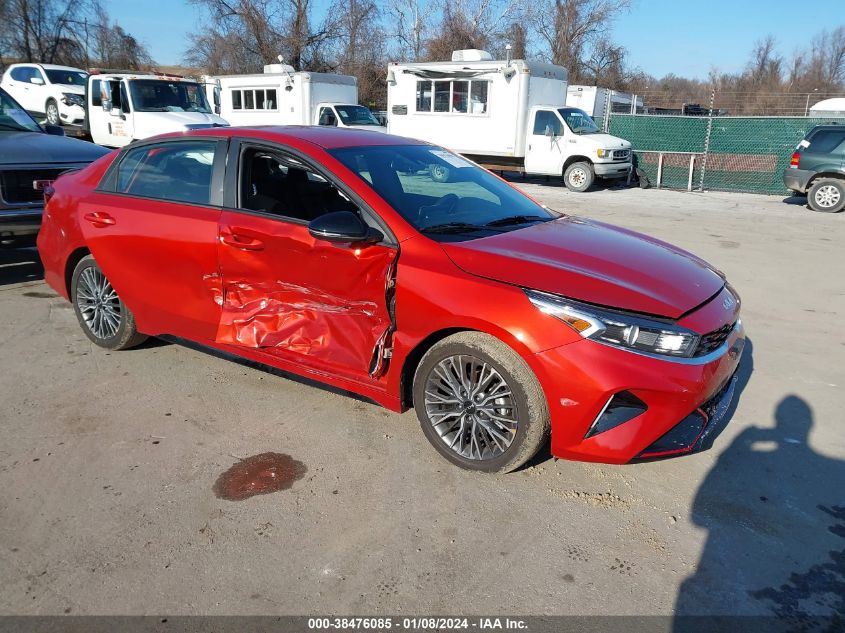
x=259, y=475
x=40, y=295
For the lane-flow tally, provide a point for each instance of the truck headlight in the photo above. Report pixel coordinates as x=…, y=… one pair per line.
x=604, y=153
x=70, y=98
x=626, y=331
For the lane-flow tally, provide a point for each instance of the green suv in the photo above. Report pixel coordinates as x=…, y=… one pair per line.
x=817, y=168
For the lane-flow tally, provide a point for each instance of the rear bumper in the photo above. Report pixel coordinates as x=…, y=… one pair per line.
x=19, y=227
x=580, y=379
x=797, y=179
x=612, y=170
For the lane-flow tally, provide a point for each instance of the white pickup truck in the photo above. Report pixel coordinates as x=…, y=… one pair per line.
x=123, y=106
x=509, y=115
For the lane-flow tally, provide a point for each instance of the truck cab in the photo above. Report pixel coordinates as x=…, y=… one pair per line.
x=122, y=107
x=565, y=140
x=346, y=115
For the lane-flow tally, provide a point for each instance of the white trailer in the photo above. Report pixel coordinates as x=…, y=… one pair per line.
x=280, y=96
x=509, y=115
x=123, y=106
x=595, y=101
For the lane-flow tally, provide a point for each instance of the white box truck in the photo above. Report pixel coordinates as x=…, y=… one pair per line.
x=122, y=106
x=508, y=115
x=280, y=96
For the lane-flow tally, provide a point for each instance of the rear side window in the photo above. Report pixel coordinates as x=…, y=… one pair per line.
x=21, y=73
x=826, y=141
x=180, y=172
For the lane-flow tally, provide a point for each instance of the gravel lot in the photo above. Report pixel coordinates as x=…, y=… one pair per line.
x=108, y=463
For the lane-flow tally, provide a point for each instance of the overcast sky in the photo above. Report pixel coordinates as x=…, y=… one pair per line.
x=685, y=37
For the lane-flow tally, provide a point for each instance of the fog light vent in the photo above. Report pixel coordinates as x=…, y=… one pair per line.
x=620, y=408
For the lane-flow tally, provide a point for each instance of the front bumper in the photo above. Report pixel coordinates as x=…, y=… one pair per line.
x=19, y=227
x=71, y=114
x=797, y=179
x=581, y=378
x=612, y=170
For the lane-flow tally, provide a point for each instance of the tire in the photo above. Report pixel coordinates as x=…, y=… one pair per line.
x=493, y=368
x=52, y=112
x=579, y=176
x=827, y=195
x=439, y=173
x=642, y=179
x=97, y=317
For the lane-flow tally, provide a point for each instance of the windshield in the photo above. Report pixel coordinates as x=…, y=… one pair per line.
x=441, y=194
x=356, y=115
x=156, y=95
x=13, y=117
x=66, y=77
x=578, y=121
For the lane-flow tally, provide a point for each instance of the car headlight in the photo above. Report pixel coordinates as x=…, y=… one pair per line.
x=604, y=153
x=70, y=98
x=626, y=331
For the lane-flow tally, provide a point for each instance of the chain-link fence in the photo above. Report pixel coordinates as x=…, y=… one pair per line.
x=726, y=153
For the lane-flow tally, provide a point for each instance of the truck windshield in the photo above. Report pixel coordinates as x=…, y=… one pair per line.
x=356, y=115
x=441, y=194
x=66, y=77
x=579, y=121
x=157, y=95
x=13, y=118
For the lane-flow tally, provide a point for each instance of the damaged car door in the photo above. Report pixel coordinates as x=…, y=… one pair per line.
x=320, y=303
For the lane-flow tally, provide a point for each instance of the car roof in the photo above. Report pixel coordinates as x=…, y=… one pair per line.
x=49, y=66
x=322, y=136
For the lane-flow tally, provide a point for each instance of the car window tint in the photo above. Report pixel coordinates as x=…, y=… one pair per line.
x=546, y=119
x=20, y=74
x=825, y=141
x=283, y=186
x=180, y=172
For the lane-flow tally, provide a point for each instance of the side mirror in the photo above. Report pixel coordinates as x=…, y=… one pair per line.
x=55, y=130
x=107, y=105
x=36, y=80
x=343, y=226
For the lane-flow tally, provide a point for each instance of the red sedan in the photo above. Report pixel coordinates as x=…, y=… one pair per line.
x=335, y=256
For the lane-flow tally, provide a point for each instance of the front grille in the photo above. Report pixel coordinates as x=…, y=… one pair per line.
x=621, y=153
x=712, y=341
x=16, y=185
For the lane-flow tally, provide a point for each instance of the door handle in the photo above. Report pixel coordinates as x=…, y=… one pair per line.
x=99, y=219
x=243, y=242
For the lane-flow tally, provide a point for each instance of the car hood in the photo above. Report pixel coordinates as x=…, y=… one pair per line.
x=594, y=262
x=604, y=141
x=371, y=128
x=76, y=90
x=30, y=148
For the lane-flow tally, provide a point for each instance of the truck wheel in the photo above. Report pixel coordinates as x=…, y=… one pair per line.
x=579, y=176
x=439, y=173
x=52, y=110
x=827, y=194
x=479, y=404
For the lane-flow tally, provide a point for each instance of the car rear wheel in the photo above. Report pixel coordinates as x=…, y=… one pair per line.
x=101, y=313
x=479, y=404
x=827, y=194
x=52, y=111
x=578, y=176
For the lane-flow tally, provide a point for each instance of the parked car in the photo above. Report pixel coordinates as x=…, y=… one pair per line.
x=817, y=168
x=54, y=92
x=334, y=255
x=30, y=153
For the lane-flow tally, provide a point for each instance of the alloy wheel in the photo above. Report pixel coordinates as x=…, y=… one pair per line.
x=471, y=407
x=827, y=196
x=98, y=303
x=52, y=114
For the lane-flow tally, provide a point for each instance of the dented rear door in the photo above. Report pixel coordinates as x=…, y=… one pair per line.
x=320, y=304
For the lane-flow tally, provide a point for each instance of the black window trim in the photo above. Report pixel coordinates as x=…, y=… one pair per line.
x=231, y=187
x=108, y=183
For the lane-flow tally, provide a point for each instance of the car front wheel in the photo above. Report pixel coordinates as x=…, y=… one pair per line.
x=104, y=318
x=579, y=176
x=52, y=111
x=479, y=404
x=827, y=194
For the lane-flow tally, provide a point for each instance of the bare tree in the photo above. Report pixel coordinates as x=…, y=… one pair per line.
x=410, y=23
x=480, y=24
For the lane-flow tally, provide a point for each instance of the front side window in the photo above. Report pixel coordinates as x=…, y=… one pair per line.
x=97, y=93
x=327, y=117
x=440, y=193
x=546, y=122
x=156, y=95
x=178, y=172
x=284, y=186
